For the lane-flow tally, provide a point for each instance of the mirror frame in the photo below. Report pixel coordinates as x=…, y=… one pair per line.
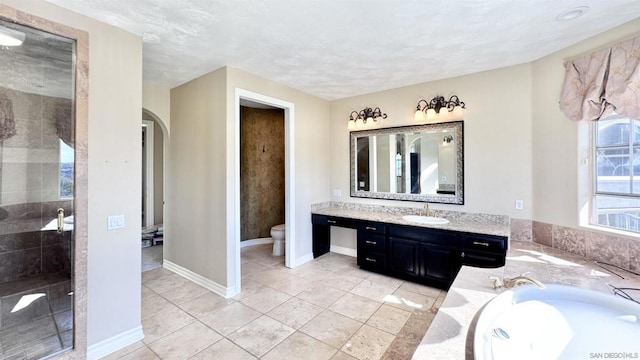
x=457, y=198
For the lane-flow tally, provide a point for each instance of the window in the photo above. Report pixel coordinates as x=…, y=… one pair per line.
x=66, y=171
x=617, y=173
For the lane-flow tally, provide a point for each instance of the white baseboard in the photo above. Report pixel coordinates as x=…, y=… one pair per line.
x=114, y=343
x=302, y=259
x=343, y=250
x=199, y=279
x=259, y=241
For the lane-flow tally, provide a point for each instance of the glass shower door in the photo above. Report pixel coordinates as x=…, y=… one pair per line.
x=36, y=192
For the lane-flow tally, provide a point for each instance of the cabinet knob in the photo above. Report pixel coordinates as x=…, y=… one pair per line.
x=462, y=254
x=370, y=228
x=370, y=260
x=370, y=242
x=331, y=221
x=480, y=243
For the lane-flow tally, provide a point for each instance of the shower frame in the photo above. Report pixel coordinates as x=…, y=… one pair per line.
x=81, y=102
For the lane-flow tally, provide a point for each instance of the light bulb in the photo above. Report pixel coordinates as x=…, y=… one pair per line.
x=419, y=116
x=351, y=124
x=431, y=114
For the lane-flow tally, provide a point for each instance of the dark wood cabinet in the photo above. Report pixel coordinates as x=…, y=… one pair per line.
x=372, y=246
x=440, y=263
x=403, y=257
x=425, y=255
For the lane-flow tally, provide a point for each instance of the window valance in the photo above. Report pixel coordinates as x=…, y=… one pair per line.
x=603, y=83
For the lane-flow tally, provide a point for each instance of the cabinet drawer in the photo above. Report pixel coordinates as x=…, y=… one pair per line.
x=371, y=242
x=485, y=243
x=331, y=221
x=372, y=260
x=421, y=234
x=372, y=227
x=482, y=259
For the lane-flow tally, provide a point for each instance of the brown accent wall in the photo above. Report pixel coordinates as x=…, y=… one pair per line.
x=261, y=171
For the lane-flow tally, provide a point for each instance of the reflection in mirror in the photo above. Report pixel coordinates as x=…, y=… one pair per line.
x=417, y=163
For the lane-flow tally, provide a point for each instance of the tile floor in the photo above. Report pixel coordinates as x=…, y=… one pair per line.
x=151, y=257
x=325, y=309
x=36, y=317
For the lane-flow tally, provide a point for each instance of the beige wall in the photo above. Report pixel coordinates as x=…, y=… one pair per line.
x=559, y=176
x=497, y=137
x=157, y=100
x=196, y=214
x=310, y=140
x=115, y=100
x=201, y=162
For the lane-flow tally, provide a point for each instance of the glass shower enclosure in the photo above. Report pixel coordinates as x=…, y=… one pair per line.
x=36, y=192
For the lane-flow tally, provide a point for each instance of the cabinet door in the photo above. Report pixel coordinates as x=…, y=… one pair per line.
x=439, y=262
x=403, y=257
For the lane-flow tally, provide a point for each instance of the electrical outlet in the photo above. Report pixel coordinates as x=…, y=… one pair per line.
x=519, y=204
x=443, y=178
x=337, y=192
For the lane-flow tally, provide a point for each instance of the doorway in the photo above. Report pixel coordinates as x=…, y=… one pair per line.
x=152, y=209
x=234, y=241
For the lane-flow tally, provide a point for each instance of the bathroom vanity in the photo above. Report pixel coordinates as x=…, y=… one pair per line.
x=431, y=255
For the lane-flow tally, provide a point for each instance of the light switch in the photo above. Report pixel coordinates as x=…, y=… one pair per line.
x=115, y=222
x=337, y=192
x=519, y=204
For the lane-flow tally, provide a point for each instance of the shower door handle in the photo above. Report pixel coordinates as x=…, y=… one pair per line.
x=60, y=220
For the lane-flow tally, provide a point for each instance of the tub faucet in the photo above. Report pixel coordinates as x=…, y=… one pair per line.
x=509, y=283
x=425, y=209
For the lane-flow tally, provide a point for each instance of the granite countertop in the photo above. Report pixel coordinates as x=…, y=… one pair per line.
x=464, y=222
x=448, y=336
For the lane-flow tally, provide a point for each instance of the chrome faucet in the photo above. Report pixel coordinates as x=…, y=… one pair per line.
x=509, y=283
x=425, y=210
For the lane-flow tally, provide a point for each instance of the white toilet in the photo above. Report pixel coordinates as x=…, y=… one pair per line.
x=277, y=233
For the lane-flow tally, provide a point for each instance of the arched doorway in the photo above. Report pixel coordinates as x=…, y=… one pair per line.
x=154, y=139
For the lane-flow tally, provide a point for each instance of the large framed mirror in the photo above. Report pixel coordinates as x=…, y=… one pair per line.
x=414, y=163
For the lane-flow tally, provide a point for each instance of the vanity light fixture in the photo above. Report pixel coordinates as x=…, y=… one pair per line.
x=10, y=37
x=447, y=139
x=437, y=105
x=358, y=118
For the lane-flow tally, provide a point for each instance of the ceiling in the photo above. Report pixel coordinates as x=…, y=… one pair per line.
x=337, y=49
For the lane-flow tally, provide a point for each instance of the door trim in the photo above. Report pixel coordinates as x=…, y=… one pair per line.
x=233, y=207
x=149, y=194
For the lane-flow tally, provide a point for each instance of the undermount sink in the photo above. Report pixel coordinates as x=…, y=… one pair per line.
x=557, y=322
x=425, y=219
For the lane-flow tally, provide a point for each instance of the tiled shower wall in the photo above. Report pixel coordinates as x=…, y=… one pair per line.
x=262, y=184
x=34, y=253
x=29, y=194
x=618, y=250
